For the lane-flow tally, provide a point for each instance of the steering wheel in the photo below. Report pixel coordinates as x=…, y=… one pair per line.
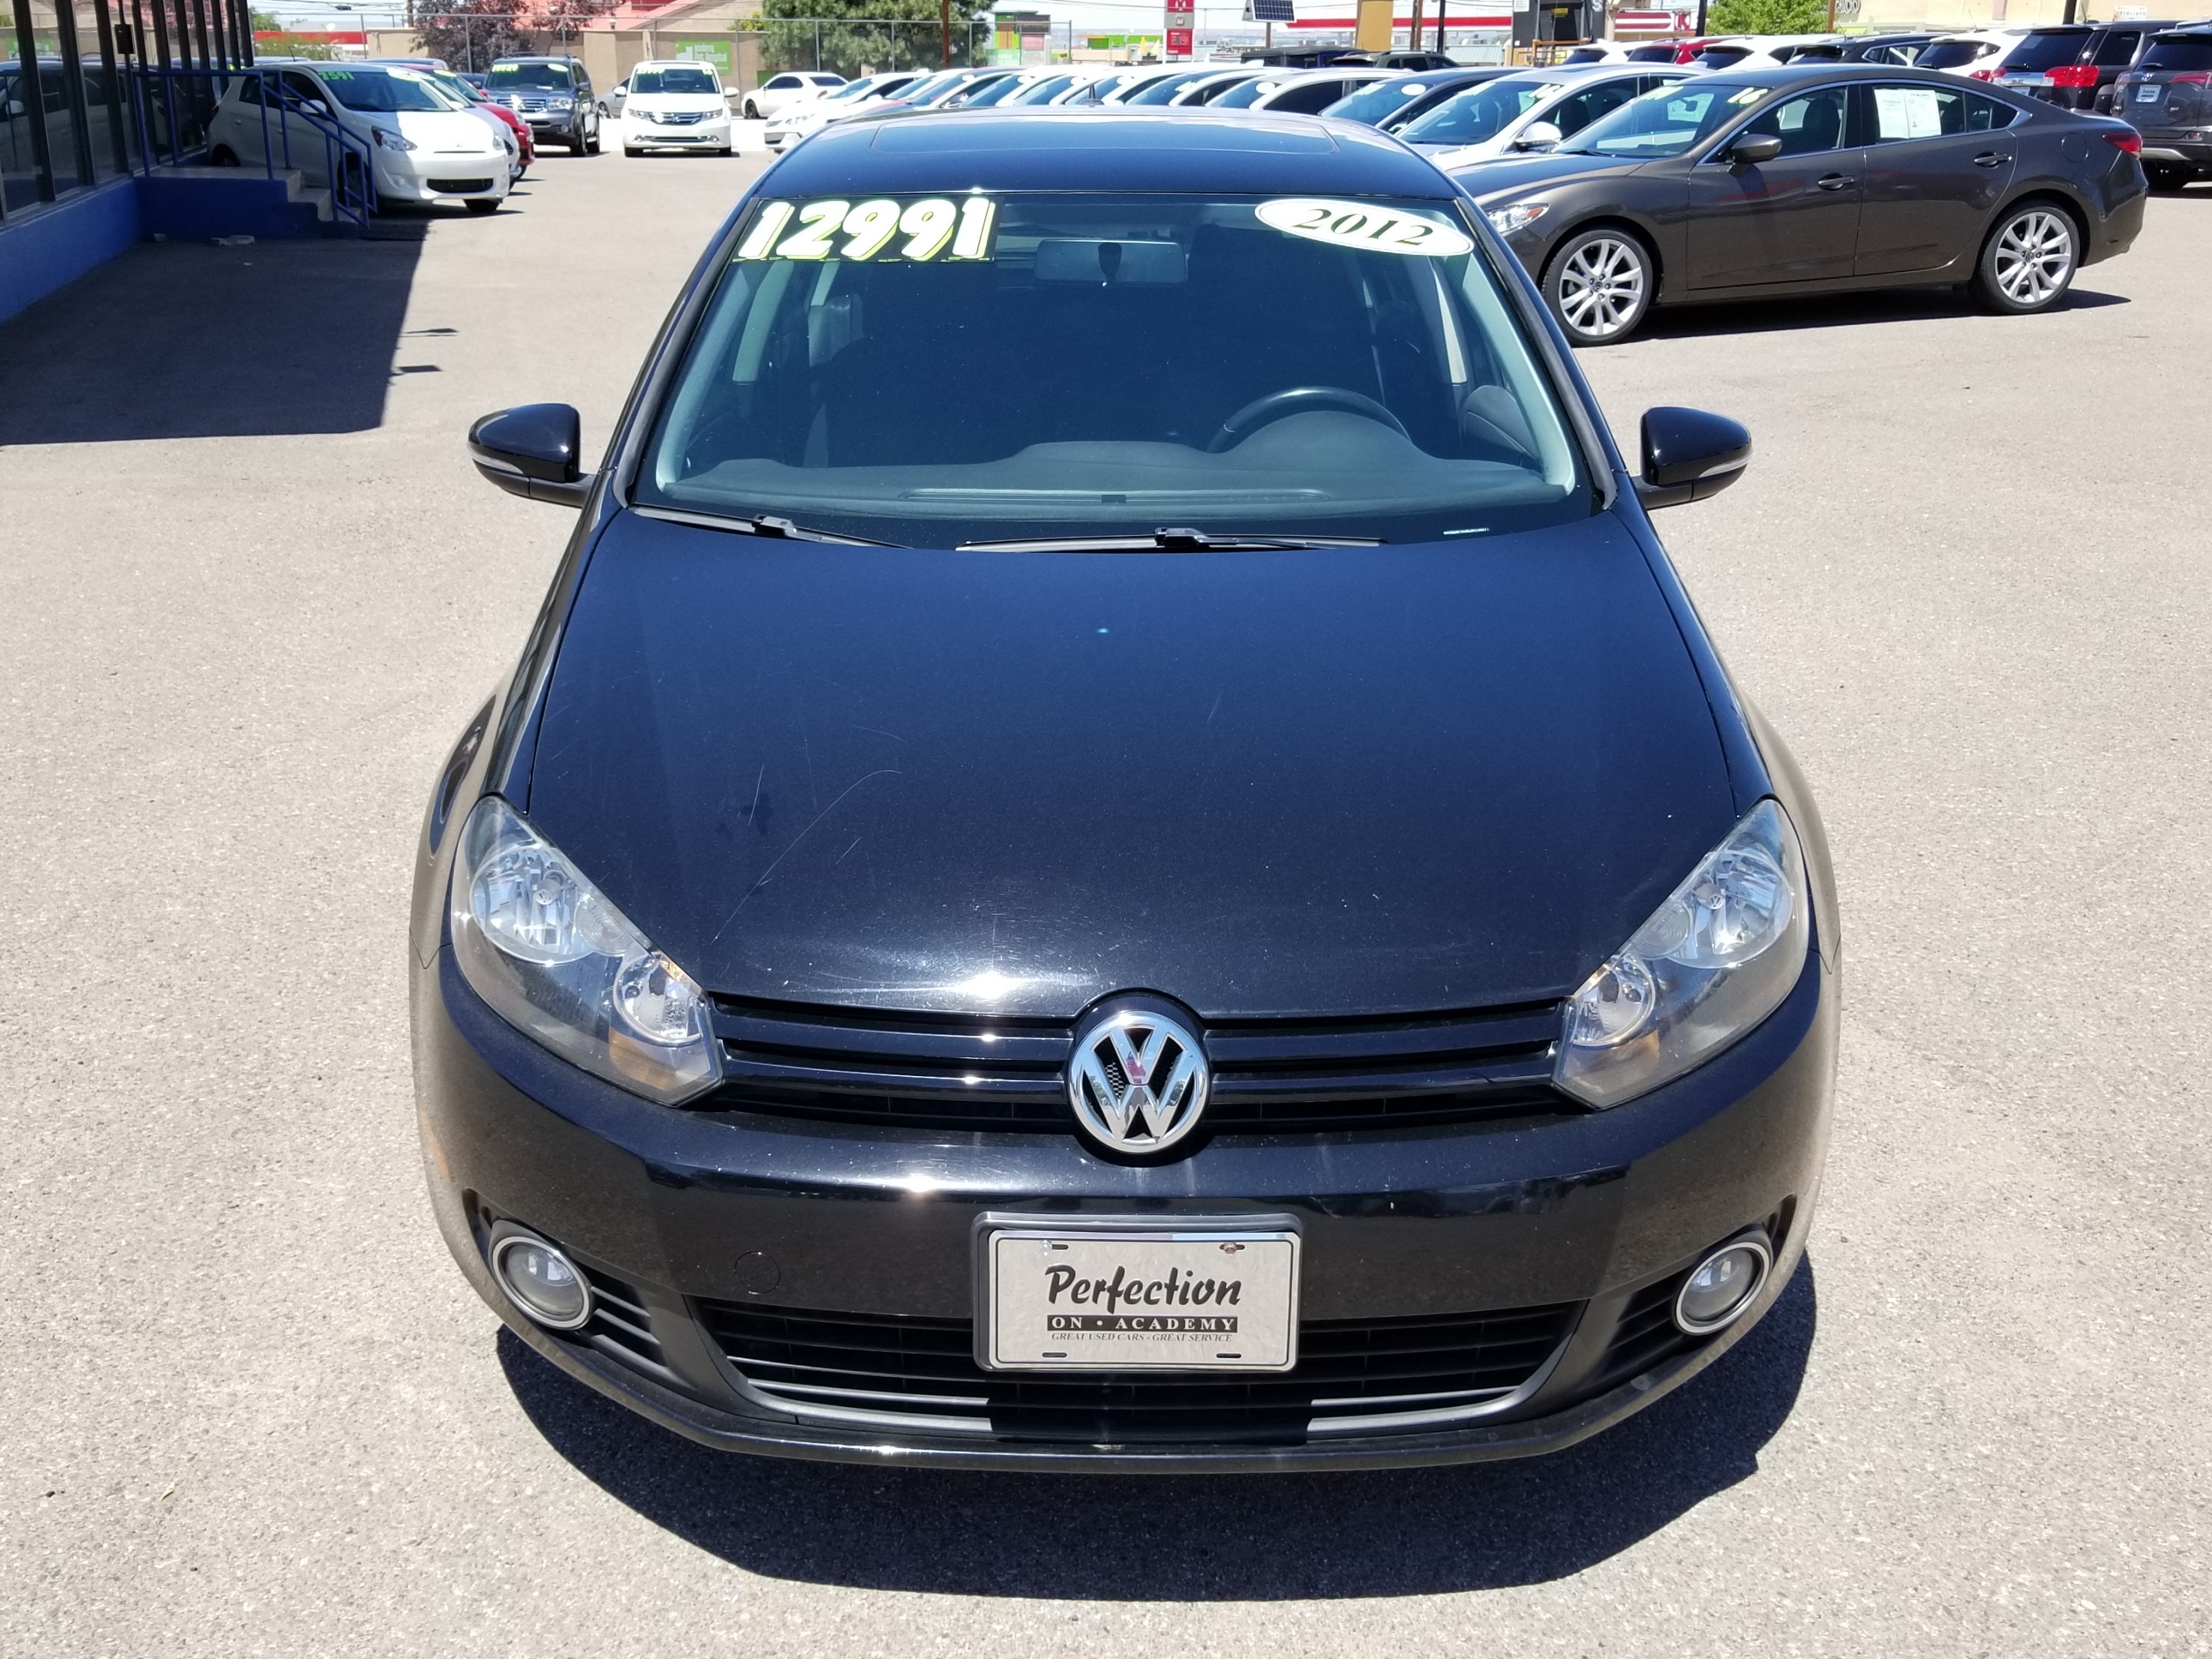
x=1297, y=400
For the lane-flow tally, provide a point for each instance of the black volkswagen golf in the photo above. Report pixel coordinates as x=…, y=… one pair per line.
x=1116, y=848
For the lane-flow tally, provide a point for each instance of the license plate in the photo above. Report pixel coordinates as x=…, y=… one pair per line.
x=1108, y=1299
x=2149, y=94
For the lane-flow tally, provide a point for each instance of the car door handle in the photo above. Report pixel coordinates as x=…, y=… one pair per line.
x=1835, y=180
x=1990, y=158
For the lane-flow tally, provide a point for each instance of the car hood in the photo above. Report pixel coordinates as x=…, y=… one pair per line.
x=1508, y=176
x=452, y=131
x=1305, y=782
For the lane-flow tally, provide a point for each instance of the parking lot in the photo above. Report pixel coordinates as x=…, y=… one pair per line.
x=254, y=589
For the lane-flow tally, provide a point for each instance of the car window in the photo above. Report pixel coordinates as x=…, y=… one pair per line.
x=249, y=90
x=383, y=92
x=2046, y=49
x=1480, y=113
x=1920, y=112
x=531, y=77
x=1951, y=54
x=1806, y=125
x=1387, y=392
x=688, y=81
x=1240, y=96
x=2117, y=49
x=2183, y=54
x=1572, y=114
x=300, y=89
x=1670, y=121
x=781, y=83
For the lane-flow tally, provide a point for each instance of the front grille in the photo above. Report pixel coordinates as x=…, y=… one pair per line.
x=620, y=1328
x=1647, y=1334
x=460, y=186
x=1373, y=1375
x=679, y=120
x=1270, y=1077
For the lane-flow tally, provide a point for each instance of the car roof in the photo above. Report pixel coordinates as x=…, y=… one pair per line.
x=1111, y=148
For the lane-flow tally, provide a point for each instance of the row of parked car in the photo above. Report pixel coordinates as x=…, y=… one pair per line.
x=1623, y=183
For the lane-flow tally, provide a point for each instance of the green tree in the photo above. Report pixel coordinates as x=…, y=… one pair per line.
x=1767, y=16
x=881, y=34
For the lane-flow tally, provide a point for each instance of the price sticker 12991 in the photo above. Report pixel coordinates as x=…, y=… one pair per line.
x=934, y=227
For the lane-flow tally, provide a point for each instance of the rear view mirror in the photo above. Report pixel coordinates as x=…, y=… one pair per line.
x=531, y=451
x=1689, y=455
x=1754, y=148
x=1538, y=135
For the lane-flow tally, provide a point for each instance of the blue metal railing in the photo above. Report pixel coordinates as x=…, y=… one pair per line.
x=172, y=108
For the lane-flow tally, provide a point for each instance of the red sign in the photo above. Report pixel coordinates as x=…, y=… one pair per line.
x=1179, y=41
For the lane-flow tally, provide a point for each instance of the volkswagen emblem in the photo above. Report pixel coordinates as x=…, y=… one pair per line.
x=1138, y=1081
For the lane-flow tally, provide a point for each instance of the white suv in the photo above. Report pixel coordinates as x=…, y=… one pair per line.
x=677, y=104
x=1974, y=54
x=780, y=92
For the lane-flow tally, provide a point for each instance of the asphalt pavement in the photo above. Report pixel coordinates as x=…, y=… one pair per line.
x=250, y=590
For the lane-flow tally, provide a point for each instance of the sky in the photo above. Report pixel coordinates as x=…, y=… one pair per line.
x=1131, y=17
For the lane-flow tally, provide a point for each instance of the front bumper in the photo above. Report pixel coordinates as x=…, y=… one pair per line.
x=1599, y=1215
x=428, y=176
x=706, y=135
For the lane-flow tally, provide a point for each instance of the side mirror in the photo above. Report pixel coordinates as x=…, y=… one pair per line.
x=1752, y=148
x=530, y=452
x=1689, y=455
x=1538, y=135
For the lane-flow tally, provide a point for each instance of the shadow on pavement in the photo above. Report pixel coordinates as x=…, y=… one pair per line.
x=191, y=340
x=1909, y=304
x=1132, y=1539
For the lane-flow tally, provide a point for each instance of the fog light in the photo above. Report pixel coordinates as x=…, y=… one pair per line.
x=1722, y=1286
x=544, y=1283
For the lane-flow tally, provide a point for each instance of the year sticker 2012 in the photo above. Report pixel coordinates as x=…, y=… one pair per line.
x=932, y=228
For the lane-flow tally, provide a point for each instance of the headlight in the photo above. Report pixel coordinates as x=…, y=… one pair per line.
x=560, y=103
x=1522, y=214
x=1713, y=961
x=387, y=140
x=554, y=957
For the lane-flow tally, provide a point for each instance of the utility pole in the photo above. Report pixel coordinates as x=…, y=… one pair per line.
x=945, y=33
x=1413, y=34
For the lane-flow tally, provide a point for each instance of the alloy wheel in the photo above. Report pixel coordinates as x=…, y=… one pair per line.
x=2034, y=257
x=1600, y=287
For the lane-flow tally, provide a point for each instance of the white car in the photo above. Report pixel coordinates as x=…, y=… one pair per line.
x=780, y=92
x=869, y=91
x=1303, y=92
x=423, y=144
x=1974, y=54
x=1756, y=52
x=675, y=105
x=1199, y=93
x=1533, y=111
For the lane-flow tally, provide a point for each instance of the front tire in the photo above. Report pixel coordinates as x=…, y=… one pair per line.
x=222, y=157
x=592, y=144
x=1600, y=285
x=2029, y=261
x=632, y=151
x=752, y=110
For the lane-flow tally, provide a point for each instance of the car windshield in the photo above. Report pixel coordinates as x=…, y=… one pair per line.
x=453, y=87
x=1163, y=88
x=1950, y=54
x=871, y=368
x=386, y=91
x=2186, y=54
x=1665, y=121
x=996, y=92
x=1378, y=101
x=860, y=88
x=1038, y=92
x=1481, y=113
x=688, y=81
x=531, y=77
x=1238, y=96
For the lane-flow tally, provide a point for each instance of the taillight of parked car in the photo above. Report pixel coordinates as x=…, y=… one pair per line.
x=2192, y=78
x=2130, y=141
x=2073, y=75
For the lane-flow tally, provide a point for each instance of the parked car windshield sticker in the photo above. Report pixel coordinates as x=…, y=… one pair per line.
x=934, y=227
x=1365, y=225
x=1908, y=112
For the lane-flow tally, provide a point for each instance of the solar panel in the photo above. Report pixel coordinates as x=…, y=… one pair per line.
x=1270, y=11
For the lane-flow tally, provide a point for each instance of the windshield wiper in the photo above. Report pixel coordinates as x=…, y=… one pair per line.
x=1172, y=541
x=761, y=525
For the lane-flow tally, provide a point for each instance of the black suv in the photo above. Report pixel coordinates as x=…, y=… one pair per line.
x=554, y=96
x=2101, y=56
x=2167, y=97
